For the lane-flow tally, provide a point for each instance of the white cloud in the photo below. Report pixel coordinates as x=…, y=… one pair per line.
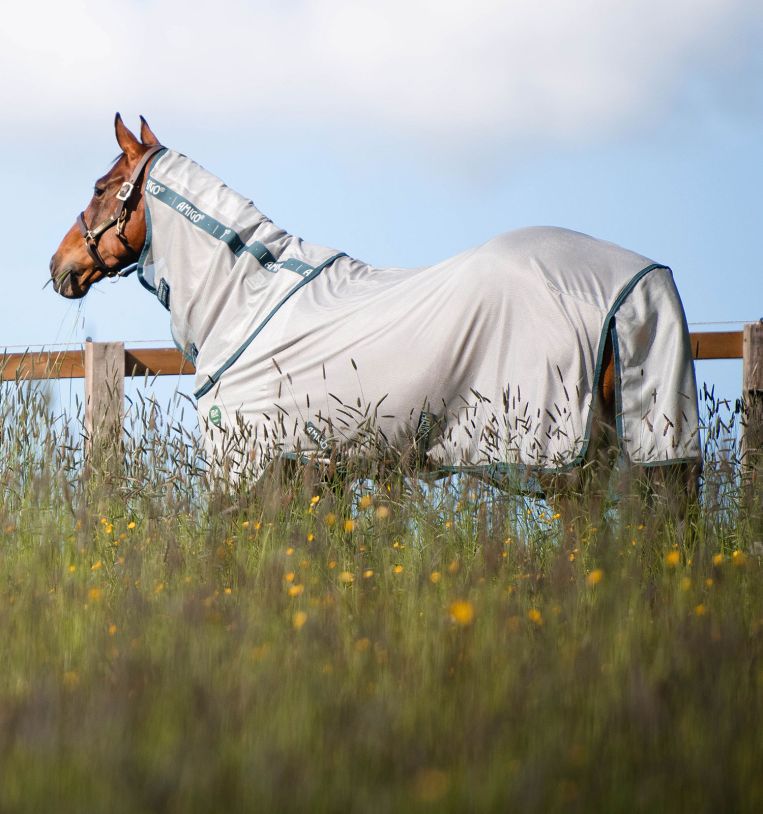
x=443, y=73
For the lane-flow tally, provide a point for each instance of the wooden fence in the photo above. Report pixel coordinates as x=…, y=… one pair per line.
x=104, y=366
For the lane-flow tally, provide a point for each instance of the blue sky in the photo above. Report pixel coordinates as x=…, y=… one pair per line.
x=400, y=132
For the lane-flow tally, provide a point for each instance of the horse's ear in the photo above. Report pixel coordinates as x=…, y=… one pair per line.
x=126, y=139
x=147, y=134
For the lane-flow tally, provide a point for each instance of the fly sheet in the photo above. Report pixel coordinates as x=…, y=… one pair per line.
x=489, y=360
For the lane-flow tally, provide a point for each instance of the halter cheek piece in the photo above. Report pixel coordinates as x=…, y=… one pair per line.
x=119, y=218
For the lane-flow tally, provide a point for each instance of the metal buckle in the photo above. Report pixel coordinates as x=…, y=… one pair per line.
x=125, y=191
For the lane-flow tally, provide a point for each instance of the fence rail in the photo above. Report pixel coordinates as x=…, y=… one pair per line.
x=70, y=364
x=104, y=366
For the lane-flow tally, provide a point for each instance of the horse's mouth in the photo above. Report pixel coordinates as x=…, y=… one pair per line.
x=70, y=283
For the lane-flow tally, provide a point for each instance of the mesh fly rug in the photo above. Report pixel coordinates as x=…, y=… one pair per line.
x=487, y=361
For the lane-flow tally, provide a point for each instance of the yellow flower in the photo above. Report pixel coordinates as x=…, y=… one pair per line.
x=332, y=563
x=435, y=577
x=228, y=591
x=397, y=569
x=556, y=516
x=131, y=525
x=349, y=525
x=365, y=501
x=382, y=513
x=289, y=551
x=535, y=616
x=310, y=537
x=72, y=568
x=298, y=620
x=314, y=499
x=95, y=594
x=159, y=587
x=717, y=559
x=296, y=590
x=368, y=573
x=112, y=629
x=700, y=610
x=448, y=524
x=96, y=565
x=346, y=577
x=330, y=519
x=462, y=612
x=595, y=577
x=571, y=556
x=453, y=567
x=289, y=576
x=361, y=645
x=245, y=524
x=672, y=558
x=71, y=679
x=709, y=582
x=739, y=557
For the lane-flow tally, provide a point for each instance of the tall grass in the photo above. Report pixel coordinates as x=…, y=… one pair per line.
x=169, y=644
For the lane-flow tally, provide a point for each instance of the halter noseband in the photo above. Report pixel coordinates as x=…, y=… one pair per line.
x=119, y=218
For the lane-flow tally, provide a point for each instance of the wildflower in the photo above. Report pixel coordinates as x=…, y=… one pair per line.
x=96, y=565
x=245, y=524
x=349, y=525
x=700, y=610
x=131, y=525
x=332, y=564
x=112, y=629
x=382, y=513
x=595, y=577
x=672, y=558
x=462, y=612
x=289, y=576
x=435, y=577
x=453, y=567
x=397, y=569
x=368, y=573
x=365, y=501
x=71, y=679
x=298, y=620
x=361, y=645
x=448, y=524
x=289, y=551
x=709, y=582
x=571, y=556
x=310, y=537
x=314, y=500
x=717, y=559
x=72, y=568
x=228, y=591
x=738, y=557
x=296, y=590
x=556, y=515
x=535, y=616
x=95, y=594
x=159, y=587
x=330, y=519
x=257, y=525
x=346, y=577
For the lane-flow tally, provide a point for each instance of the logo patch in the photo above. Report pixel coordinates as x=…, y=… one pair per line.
x=215, y=415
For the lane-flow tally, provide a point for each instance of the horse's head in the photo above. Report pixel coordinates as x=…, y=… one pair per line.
x=108, y=236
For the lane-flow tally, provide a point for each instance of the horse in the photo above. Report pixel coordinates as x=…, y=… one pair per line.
x=534, y=361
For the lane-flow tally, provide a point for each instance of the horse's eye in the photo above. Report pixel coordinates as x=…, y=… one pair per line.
x=97, y=191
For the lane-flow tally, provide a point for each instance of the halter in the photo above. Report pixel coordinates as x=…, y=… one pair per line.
x=119, y=218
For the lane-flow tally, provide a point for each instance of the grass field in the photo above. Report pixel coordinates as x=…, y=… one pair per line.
x=387, y=650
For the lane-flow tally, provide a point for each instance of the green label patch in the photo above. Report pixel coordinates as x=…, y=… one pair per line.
x=215, y=415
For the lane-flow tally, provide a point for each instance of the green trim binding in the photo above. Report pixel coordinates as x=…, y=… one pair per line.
x=215, y=377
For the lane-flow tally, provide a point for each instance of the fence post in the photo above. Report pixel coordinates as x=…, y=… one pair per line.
x=104, y=400
x=752, y=450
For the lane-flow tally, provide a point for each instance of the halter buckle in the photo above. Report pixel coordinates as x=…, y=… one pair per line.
x=125, y=191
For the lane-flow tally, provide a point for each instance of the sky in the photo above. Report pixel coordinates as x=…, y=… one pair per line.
x=401, y=132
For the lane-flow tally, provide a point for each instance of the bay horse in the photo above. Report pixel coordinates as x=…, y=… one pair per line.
x=538, y=357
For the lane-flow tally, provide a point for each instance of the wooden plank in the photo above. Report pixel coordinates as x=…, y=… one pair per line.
x=716, y=344
x=170, y=362
x=68, y=364
x=157, y=362
x=752, y=439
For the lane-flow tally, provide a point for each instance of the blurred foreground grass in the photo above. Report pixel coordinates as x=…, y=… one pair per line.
x=386, y=650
